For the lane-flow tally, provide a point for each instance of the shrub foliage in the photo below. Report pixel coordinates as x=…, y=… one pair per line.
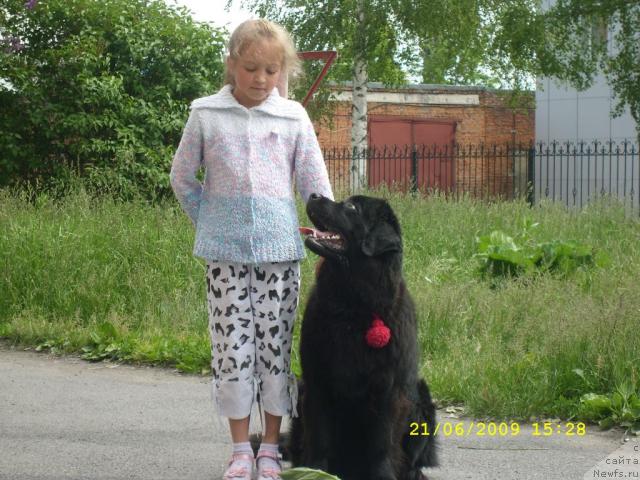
x=101, y=87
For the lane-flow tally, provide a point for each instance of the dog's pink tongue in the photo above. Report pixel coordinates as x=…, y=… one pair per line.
x=312, y=232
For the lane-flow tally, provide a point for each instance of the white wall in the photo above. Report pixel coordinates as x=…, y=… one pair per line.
x=564, y=114
x=574, y=173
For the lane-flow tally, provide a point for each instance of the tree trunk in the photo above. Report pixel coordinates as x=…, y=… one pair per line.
x=635, y=114
x=359, y=113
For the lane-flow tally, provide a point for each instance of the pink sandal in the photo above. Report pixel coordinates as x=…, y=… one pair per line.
x=269, y=473
x=240, y=467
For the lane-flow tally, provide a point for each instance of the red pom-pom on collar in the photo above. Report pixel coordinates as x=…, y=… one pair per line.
x=378, y=334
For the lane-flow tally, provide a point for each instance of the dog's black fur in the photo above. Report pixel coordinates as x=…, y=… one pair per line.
x=357, y=402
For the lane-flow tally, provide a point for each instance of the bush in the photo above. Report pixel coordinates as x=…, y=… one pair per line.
x=502, y=256
x=101, y=87
x=622, y=407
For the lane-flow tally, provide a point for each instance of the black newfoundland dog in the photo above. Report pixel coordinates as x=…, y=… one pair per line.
x=360, y=388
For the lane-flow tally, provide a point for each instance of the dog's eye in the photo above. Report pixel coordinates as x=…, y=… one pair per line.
x=350, y=206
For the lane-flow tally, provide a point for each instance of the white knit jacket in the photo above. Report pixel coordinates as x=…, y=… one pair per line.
x=245, y=210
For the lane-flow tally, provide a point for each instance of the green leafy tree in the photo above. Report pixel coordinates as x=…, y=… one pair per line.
x=101, y=86
x=577, y=34
x=387, y=40
x=577, y=40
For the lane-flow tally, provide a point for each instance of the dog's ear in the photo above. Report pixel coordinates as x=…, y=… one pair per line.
x=383, y=238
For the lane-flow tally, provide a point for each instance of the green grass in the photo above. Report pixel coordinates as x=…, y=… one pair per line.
x=117, y=280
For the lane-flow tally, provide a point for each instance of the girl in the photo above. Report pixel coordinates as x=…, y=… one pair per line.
x=253, y=145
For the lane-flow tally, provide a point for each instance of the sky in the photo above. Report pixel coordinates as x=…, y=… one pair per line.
x=214, y=11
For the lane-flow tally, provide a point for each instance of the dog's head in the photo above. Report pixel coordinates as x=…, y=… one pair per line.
x=359, y=227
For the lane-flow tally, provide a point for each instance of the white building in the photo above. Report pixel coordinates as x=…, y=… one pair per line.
x=586, y=152
x=565, y=114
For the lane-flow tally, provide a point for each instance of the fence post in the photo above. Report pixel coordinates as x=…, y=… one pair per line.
x=414, y=168
x=531, y=175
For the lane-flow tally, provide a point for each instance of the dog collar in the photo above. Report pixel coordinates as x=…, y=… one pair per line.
x=378, y=334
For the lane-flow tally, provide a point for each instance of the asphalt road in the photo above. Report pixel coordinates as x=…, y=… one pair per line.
x=66, y=419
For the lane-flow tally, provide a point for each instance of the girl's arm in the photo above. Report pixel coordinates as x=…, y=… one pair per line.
x=186, y=163
x=310, y=169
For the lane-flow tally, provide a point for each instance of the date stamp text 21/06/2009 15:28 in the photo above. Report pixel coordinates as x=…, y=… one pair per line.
x=498, y=429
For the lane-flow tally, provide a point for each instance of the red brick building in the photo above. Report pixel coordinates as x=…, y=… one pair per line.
x=440, y=120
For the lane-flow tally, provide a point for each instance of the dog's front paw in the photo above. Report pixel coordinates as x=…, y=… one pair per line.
x=383, y=477
x=318, y=464
x=383, y=471
x=321, y=465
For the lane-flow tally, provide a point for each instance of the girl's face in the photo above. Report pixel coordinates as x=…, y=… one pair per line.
x=256, y=72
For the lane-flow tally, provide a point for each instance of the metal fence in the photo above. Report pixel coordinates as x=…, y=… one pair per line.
x=575, y=174
x=570, y=173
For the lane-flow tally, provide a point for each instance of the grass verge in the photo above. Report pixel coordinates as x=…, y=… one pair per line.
x=108, y=279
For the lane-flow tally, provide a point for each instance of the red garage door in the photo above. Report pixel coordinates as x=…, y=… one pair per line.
x=394, y=139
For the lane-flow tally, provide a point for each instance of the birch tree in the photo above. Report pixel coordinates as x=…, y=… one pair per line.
x=386, y=40
x=359, y=108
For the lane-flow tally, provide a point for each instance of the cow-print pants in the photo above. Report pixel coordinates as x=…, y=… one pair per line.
x=252, y=309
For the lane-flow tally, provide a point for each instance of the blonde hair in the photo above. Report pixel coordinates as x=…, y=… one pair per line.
x=251, y=31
